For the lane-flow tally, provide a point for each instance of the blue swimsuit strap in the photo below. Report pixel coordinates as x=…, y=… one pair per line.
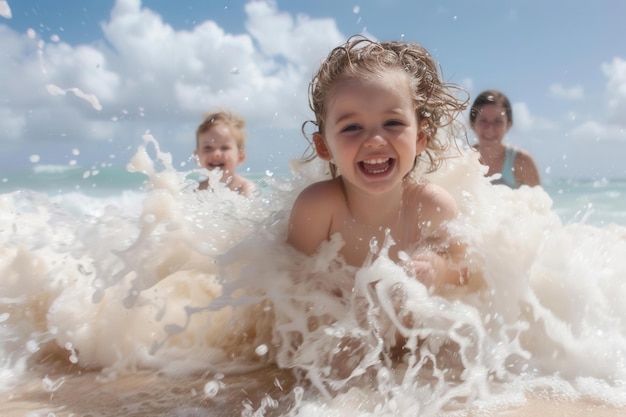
x=508, y=174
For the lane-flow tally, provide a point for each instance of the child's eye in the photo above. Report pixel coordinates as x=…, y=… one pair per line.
x=394, y=123
x=350, y=128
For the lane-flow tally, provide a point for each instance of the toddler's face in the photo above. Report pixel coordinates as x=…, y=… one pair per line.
x=217, y=148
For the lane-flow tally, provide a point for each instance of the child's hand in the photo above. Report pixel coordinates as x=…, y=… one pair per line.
x=432, y=268
x=424, y=266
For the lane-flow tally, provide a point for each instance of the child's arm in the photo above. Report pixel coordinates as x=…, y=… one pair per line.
x=310, y=219
x=437, y=259
x=439, y=267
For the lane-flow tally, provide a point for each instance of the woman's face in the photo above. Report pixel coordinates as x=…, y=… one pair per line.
x=491, y=123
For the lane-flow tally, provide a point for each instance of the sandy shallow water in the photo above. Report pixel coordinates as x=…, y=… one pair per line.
x=146, y=394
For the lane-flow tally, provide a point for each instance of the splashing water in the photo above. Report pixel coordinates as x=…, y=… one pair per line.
x=201, y=286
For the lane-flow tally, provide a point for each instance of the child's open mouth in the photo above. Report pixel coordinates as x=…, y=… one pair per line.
x=376, y=166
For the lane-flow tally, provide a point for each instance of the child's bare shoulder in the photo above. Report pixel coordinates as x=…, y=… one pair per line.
x=312, y=215
x=433, y=200
x=322, y=190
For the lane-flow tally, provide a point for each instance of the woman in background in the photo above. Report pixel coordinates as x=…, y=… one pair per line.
x=491, y=117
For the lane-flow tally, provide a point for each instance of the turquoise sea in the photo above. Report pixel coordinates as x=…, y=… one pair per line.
x=592, y=201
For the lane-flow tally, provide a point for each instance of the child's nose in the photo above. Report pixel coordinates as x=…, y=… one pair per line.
x=376, y=138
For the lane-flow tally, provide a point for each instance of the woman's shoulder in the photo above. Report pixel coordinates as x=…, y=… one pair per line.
x=517, y=151
x=522, y=156
x=523, y=153
x=526, y=172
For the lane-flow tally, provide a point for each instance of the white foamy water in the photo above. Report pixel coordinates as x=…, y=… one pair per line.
x=202, y=283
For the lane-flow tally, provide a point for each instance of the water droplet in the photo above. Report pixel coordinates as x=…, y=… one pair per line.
x=211, y=388
x=32, y=346
x=51, y=385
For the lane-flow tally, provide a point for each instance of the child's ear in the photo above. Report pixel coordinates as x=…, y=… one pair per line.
x=242, y=156
x=320, y=147
x=422, y=136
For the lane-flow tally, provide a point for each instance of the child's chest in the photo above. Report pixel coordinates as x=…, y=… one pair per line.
x=361, y=239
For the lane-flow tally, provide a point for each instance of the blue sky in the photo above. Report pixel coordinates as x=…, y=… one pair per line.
x=83, y=81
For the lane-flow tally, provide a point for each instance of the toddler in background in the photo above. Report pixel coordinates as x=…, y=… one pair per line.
x=220, y=144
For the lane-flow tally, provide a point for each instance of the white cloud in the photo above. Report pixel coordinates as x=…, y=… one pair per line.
x=572, y=93
x=148, y=76
x=526, y=122
x=279, y=34
x=12, y=124
x=593, y=131
x=5, y=10
x=616, y=88
x=613, y=127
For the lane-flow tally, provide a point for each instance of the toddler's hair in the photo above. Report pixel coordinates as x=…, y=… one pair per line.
x=235, y=122
x=361, y=58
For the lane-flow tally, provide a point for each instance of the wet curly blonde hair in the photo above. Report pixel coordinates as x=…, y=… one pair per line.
x=361, y=58
x=235, y=122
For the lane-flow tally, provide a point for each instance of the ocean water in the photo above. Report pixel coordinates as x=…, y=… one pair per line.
x=128, y=273
x=598, y=202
